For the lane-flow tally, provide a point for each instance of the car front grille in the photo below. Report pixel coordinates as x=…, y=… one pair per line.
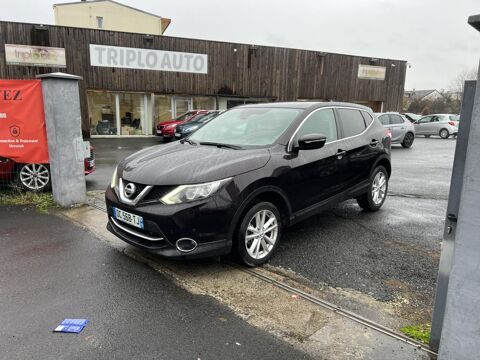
x=157, y=192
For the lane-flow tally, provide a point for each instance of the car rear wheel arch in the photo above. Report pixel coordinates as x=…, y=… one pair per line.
x=385, y=162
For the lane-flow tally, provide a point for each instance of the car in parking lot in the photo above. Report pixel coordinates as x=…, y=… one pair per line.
x=35, y=177
x=166, y=129
x=412, y=117
x=403, y=131
x=190, y=127
x=443, y=125
x=236, y=183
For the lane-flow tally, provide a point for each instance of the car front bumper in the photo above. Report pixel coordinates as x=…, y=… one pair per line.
x=205, y=222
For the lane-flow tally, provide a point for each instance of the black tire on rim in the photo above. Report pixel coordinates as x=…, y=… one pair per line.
x=375, y=197
x=34, y=177
x=408, y=140
x=444, y=134
x=258, y=235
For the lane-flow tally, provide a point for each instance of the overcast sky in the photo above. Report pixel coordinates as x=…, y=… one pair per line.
x=432, y=35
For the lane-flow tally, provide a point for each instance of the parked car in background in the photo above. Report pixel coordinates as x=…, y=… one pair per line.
x=166, y=129
x=234, y=184
x=190, y=127
x=412, y=117
x=402, y=130
x=443, y=125
x=35, y=177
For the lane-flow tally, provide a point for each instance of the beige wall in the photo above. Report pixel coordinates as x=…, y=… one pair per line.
x=115, y=17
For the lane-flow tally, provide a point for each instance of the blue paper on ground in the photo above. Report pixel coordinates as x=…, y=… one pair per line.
x=71, y=326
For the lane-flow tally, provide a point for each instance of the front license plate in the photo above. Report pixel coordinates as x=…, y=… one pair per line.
x=128, y=218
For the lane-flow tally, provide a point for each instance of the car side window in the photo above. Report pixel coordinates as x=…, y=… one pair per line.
x=384, y=119
x=320, y=122
x=352, y=122
x=425, y=119
x=395, y=119
x=367, y=117
x=434, y=119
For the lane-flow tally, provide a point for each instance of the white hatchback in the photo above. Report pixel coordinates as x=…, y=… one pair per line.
x=443, y=125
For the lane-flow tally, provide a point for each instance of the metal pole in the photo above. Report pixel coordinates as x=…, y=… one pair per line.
x=460, y=336
x=445, y=265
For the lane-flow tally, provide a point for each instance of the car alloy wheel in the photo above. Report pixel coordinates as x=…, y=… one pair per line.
x=258, y=235
x=373, y=199
x=379, y=188
x=34, y=177
x=444, y=134
x=408, y=140
x=261, y=234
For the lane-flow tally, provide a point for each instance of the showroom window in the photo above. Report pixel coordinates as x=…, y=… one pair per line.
x=162, y=108
x=118, y=113
x=101, y=109
x=204, y=103
x=132, y=114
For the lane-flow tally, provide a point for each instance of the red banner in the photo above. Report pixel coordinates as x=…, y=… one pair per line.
x=23, y=136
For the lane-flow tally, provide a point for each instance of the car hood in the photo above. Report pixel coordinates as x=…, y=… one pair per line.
x=169, y=122
x=181, y=163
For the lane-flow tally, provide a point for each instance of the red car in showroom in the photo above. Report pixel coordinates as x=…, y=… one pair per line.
x=34, y=177
x=166, y=129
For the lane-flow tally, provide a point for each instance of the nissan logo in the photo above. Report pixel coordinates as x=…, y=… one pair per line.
x=129, y=190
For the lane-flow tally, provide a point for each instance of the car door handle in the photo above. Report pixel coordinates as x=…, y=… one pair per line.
x=374, y=142
x=340, y=153
x=403, y=128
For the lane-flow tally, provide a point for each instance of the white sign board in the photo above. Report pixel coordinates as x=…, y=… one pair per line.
x=147, y=59
x=371, y=72
x=35, y=56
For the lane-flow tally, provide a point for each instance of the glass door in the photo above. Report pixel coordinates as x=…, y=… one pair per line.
x=180, y=105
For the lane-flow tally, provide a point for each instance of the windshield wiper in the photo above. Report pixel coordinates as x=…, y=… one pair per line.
x=189, y=141
x=220, y=145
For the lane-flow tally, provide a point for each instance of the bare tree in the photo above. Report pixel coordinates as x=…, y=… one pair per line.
x=458, y=83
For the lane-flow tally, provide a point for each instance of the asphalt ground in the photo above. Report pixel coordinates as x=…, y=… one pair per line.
x=391, y=255
x=52, y=270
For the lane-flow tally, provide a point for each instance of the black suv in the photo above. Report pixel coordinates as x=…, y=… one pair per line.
x=235, y=183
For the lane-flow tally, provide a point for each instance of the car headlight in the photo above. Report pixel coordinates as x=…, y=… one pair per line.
x=190, y=129
x=114, y=181
x=187, y=193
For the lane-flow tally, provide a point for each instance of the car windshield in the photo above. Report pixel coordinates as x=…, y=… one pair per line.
x=183, y=116
x=245, y=127
x=205, y=118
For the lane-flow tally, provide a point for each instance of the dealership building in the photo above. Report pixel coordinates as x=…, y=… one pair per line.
x=131, y=81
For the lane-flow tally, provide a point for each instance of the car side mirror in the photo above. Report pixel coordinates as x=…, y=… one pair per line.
x=311, y=142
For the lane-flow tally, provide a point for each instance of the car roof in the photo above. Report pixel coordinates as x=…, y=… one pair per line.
x=306, y=105
x=388, y=112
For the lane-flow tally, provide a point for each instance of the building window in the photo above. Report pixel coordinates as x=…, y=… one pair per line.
x=204, y=103
x=132, y=114
x=101, y=110
x=99, y=22
x=162, y=108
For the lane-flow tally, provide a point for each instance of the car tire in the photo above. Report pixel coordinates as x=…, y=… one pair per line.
x=34, y=177
x=374, y=198
x=254, y=250
x=408, y=140
x=444, y=134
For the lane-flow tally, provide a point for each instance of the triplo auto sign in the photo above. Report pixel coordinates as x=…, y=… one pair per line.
x=147, y=59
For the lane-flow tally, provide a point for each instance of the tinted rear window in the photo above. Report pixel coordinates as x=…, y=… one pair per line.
x=367, y=117
x=352, y=122
x=455, y=117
